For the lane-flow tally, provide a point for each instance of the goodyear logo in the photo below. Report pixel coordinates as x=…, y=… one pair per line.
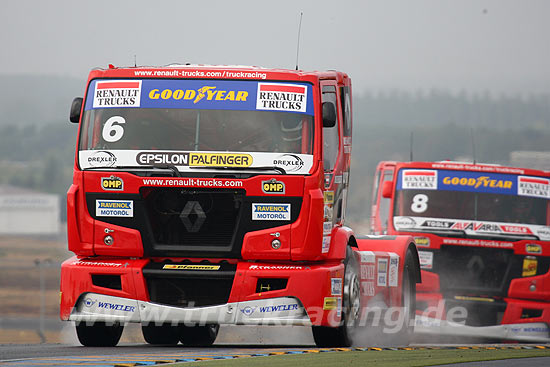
x=220, y=159
x=482, y=181
x=207, y=93
x=533, y=248
x=112, y=183
x=191, y=267
x=273, y=187
x=114, y=208
x=270, y=211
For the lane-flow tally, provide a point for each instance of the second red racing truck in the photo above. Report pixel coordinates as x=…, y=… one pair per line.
x=212, y=195
x=483, y=238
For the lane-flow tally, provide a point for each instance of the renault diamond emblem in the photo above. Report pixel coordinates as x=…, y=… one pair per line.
x=192, y=207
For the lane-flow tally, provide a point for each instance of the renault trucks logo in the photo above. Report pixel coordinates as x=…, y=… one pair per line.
x=117, y=93
x=270, y=211
x=281, y=97
x=419, y=179
x=114, y=208
x=534, y=186
x=205, y=93
x=290, y=162
x=195, y=209
x=102, y=159
x=112, y=183
x=273, y=187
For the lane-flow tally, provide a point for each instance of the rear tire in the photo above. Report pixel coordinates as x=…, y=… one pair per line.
x=408, y=299
x=163, y=334
x=342, y=336
x=199, y=336
x=99, y=334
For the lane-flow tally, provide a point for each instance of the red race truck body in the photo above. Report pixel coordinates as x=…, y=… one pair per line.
x=483, y=238
x=207, y=195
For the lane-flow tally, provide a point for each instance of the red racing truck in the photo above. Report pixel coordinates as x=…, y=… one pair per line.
x=206, y=196
x=483, y=238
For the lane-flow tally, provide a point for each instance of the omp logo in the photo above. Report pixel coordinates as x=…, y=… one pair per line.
x=192, y=207
x=273, y=187
x=112, y=183
x=482, y=181
x=220, y=160
x=533, y=248
x=208, y=93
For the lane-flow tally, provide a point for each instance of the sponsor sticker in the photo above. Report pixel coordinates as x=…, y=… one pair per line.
x=326, y=244
x=404, y=222
x=368, y=288
x=529, y=266
x=191, y=267
x=102, y=158
x=533, y=248
x=426, y=259
x=273, y=187
x=336, y=286
x=278, y=267
x=327, y=228
x=419, y=179
x=281, y=97
x=330, y=303
x=112, y=183
x=422, y=241
x=393, y=270
x=367, y=271
x=382, y=278
x=117, y=93
x=114, y=208
x=262, y=211
x=289, y=162
x=329, y=197
x=367, y=256
x=534, y=186
x=219, y=160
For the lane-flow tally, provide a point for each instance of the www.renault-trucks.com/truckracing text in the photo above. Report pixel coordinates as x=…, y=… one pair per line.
x=206, y=196
x=483, y=237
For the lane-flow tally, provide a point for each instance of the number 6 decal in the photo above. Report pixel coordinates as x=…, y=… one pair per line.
x=111, y=132
x=420, y=203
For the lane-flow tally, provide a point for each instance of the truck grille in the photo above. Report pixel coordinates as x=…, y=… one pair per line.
x=474, y=270
x=190, y=218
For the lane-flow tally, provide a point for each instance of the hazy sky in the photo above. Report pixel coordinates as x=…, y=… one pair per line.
x=474, y=45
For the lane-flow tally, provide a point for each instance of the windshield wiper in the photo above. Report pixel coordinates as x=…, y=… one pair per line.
x=170, y=167
x=263, y=168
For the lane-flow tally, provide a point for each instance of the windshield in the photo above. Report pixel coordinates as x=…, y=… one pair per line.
x=461, y=197
x=126, y=121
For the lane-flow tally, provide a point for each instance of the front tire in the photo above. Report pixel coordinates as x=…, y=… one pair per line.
x=164, y=334
x=342, y=336
x=199, y=336
x=408, y=299
x=99, y=334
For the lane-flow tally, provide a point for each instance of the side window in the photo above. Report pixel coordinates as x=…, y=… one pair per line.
x=384, y=209
x=346, y=110
x=330, y=134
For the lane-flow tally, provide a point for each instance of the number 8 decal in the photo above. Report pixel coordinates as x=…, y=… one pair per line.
x=112, y=133
x=420, y=203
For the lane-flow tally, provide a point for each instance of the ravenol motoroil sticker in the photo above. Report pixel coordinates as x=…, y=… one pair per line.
x=112, y=183
x=201, y=94
x=529, y=266
x=117, y=93
x=191, y=267
x=267, y=211
x=114, y=208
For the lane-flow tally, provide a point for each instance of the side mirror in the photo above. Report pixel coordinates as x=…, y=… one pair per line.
x=387, y=187
x=329, y=114
x=76, y=107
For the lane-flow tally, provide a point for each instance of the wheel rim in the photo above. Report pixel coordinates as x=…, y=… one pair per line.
x=352, y=296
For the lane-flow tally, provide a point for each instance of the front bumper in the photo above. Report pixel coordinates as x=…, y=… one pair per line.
x=94, y=307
